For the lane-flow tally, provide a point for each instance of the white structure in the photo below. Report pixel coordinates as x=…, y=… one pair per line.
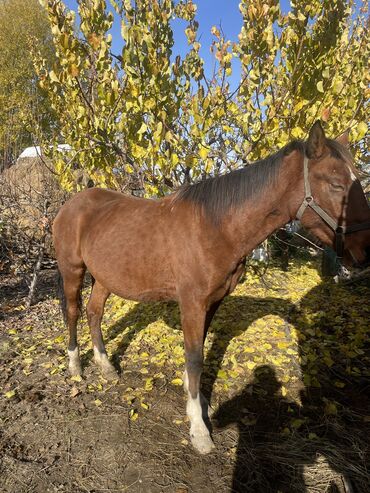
x=35, y=151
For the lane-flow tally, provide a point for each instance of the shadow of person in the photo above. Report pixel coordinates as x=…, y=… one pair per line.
x=265, y=459
x=332, y=322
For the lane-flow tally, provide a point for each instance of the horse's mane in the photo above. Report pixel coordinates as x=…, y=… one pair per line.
x=219, y=194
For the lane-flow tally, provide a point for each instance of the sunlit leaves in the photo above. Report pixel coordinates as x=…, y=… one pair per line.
x=145, y=111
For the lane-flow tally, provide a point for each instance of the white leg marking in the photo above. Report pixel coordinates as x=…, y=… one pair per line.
x=203, y=400
x=74, y=362
x=101, y=359
x=186, y=381
x=199, y=433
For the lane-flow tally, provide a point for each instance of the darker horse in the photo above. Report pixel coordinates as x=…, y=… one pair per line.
x=190, y=246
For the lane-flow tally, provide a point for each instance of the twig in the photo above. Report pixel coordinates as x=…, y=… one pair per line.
x=40, y=256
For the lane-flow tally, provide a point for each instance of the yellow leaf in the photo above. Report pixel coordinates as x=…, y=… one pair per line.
x=53, y=76
x=339, y=384
x=177, y=381
x=331, y=408
x=148, y=383
x=203, y=152
x=320, y=86
x=297, y=423
x=283, y=345
x=312, y=436
x=361, y=130
x=297, y=132
x=98, y=402
x=76, y=378
x=142, y=129
x=10, y=394
x=222, y=374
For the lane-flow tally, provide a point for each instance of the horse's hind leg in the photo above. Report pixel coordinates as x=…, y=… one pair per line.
x=94, y=310
x=72, y=283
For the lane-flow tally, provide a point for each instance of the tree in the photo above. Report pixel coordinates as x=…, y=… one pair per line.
x=149, y=113
x=23, y=106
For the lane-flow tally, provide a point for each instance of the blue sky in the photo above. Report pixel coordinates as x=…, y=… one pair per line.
x=209, y=13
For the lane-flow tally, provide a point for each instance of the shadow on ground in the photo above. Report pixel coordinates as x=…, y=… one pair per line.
x=284, y=446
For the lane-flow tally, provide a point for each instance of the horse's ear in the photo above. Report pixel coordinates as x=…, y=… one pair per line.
x=344, y=139
x=316, y=141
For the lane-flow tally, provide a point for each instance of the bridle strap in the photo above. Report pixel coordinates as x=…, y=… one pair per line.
x=340, y=231
x=309, y=201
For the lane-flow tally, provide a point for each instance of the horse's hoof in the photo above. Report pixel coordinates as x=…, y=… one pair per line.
x=203, y=444
x=75, y=370
x=109, y=373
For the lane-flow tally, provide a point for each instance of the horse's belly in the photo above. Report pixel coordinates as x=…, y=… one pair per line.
x=154, y=294
x=134, y=277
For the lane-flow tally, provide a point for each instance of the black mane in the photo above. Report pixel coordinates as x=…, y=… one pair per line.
x=219, y=194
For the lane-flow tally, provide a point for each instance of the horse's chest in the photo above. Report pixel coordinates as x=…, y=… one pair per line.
x=235, y=276
x=228, y=283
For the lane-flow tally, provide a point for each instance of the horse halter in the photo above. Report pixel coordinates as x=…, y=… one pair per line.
x=339, y=231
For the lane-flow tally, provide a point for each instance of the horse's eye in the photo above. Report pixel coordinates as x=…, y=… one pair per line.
x=337, y=187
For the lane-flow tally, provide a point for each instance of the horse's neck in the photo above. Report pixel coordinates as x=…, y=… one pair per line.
x=277, y=205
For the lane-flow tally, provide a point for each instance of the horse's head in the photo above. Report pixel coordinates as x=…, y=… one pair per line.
x=335, y=208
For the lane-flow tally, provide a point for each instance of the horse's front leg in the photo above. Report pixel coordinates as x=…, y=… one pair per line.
x=193, y=324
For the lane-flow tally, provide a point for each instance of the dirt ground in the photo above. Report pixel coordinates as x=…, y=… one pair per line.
x=286, y=369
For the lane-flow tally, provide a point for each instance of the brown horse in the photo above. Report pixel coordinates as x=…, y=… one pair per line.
x=190, y=246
